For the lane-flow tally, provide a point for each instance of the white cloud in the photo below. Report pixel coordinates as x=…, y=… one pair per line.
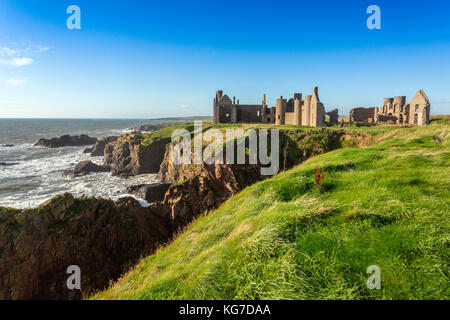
x=19, y=57
x=16, y=82
x=183, y=106
x=20, y=62
x=9, y=52
x=42, y=49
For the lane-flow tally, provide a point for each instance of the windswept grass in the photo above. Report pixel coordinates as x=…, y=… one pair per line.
x=385, y=205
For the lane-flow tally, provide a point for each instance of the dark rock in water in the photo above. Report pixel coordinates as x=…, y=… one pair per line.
x=66, y=141
x=84, y=167
x=149, y=192
x=7, y=145
x=99, y=149
x=8, y=163
x=103, y=238
x=88, y=150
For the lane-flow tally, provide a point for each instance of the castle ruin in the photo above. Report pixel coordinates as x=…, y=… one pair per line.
x=417, y=112
x=295, y=111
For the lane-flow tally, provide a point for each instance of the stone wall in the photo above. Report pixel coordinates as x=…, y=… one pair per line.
x=363, y=114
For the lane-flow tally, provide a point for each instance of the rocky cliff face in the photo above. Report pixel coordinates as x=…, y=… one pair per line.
x=101, y=237
x=204, y=189
x=149, y=192
x=128, y=156
x=99, y=149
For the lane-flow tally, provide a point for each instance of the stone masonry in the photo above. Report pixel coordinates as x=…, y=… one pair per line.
x=295, y=111
x=417, y=112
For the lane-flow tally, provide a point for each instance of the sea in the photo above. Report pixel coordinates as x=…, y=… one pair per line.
x=35, y=174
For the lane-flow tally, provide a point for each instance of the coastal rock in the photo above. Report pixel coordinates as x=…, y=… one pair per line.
x=66, y=141
x=99, y=149
x=128, y=156
x=149, y=192
x=207, y=187
x=85, y=167
x=152, y=127
x=103, y=238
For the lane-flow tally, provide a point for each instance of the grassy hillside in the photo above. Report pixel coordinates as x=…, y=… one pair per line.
x=385, y=205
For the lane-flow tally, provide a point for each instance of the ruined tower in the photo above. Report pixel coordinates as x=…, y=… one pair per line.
x=388, y=106
x=219, y=94
x=399, y=104
x=263, y=109
x=306, y=111
x=280, y=109
x=298, y=110
x=317, y=112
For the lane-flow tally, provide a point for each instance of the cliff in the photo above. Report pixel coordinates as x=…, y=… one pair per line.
x=98, y=150
x=102, y=237
x=129, y=156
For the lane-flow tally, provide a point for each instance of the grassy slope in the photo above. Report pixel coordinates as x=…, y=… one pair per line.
x=384, y=205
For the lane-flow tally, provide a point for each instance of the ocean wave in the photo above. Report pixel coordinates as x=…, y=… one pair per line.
x=36, y=174
x=29, y=183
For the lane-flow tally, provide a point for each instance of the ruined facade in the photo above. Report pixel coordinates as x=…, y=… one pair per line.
x=295, y=111
x=363, y=115
x=417, y=112
x=334, y=116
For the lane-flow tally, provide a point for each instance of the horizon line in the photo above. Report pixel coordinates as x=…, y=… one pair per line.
x=68, y=118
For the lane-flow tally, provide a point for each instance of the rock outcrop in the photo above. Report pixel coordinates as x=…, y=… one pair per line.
x=152, y=127
x=128, y=156
x=203, y=190
x=149, y=192
x=85, y=167
x=103, y=238
x=66, y=141
x=99, y=149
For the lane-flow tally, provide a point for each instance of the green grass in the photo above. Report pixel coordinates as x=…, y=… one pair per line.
x=385, y=205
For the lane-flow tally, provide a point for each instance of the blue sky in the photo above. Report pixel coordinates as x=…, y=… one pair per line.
x=147, y=59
